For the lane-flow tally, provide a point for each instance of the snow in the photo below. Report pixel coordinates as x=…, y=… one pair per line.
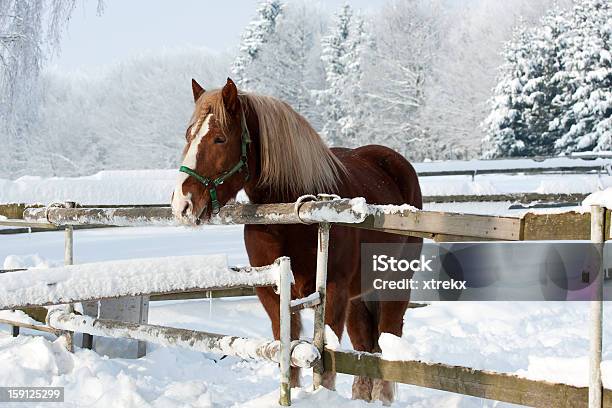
x=392, y=209
x=602, y=198
x=29, y=261
x=17, y=316
x=313, y=296
x=154, y=186
x=511, y=163
x=331, y=340
x=357, y=212
x=125, y=278
x=105, y=187
x=223, y=345
x=304, y=354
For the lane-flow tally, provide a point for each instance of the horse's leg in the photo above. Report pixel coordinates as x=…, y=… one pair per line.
x=254, y=235
x=361, y=327
x=271, y=303
x=391, y=321
x=336, y=301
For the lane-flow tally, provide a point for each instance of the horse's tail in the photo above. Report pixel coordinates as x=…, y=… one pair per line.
x=405, y=177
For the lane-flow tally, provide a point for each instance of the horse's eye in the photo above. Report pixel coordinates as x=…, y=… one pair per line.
x=219, y=140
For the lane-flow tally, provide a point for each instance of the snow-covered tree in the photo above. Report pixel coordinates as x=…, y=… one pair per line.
x=406, y=38
x=464, y=70
x=131, y=115
x=344, y=104
x=587, y=79
x=287, y=64
x=555, y=93
x=255, y=36
x=30, y=31
x=525, y=101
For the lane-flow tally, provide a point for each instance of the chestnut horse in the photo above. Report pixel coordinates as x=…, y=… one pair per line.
x=260, y=144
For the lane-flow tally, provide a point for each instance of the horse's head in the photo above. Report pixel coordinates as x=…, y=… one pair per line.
x=214, y=164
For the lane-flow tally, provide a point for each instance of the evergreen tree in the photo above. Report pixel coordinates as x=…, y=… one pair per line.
x=255, y=36
x=287, y=64
x=343, y=102
x=526, y=98
x=587, y=118
x=555, y=89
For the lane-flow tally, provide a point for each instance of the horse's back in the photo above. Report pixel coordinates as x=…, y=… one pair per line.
x=379, y=174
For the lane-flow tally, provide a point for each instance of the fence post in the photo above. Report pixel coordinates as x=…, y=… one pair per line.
x=69, y=260
x=285, y=332
x=319, y=312
x=598, y=217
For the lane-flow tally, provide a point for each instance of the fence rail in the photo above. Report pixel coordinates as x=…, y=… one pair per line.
x=461, y=380
x=82, y=283
x=518, y=170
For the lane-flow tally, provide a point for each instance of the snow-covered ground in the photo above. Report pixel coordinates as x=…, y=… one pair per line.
x=537, y=340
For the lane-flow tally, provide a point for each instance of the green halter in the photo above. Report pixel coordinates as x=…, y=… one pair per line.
x=212, y=183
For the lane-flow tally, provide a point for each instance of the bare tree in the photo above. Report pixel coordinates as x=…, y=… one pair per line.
x=30, y=31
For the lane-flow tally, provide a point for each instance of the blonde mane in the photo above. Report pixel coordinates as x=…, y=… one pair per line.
x=294, y=158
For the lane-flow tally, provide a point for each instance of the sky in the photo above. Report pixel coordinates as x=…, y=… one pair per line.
x=131, y=27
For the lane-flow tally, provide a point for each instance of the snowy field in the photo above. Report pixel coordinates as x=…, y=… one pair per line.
x=538, y=340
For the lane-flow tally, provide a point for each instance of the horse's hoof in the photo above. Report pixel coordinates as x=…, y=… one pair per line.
x=383, y=391
x=362, y=388
x=329, y=381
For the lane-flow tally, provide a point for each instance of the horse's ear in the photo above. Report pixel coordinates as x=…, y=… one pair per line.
x=230, y=96
x=197, y=89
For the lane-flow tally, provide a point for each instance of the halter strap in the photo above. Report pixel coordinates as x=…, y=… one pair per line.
x=212, y=183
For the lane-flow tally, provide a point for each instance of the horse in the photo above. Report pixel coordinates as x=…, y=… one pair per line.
x=244, y=141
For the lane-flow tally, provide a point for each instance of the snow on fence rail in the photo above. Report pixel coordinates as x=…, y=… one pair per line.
x=113, y=279
x=343, y=210
x=354, y=212
x=303, y=354
x=403, y=220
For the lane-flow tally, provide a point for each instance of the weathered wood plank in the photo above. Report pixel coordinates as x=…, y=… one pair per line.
x=27, y=224
x=284, y=213
x=235, y=292
x=37, y=327
x=428, y=224
x=518, y=170
x=461, y=380
x=523, y=198
x=13, y=210
x=570, y=225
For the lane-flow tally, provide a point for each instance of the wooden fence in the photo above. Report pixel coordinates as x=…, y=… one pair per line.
x=83, y=283
x=14, y=212
x=440, y=226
